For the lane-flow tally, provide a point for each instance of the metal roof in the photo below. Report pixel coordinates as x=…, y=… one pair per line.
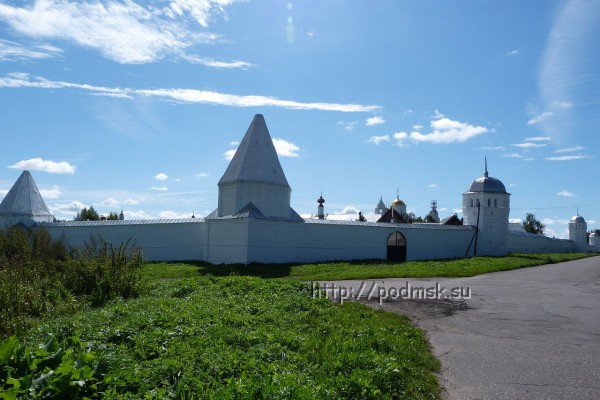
x=122, y=223
x=487, y=184
x=24, y=198
x=256, y=159
x=390, y=225
x=578, y=219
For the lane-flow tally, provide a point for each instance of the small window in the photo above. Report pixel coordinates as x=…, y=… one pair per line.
x=495, y=202
x=489, y=202
x=471, y=202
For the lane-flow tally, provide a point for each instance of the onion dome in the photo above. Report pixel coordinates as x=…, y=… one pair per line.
x=321, y=200
x=398, y=202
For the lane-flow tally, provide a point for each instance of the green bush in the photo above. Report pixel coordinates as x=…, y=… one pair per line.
x=41, y=276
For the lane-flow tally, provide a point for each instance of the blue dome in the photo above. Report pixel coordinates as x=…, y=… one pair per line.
x=578, y=219
x=487, y=184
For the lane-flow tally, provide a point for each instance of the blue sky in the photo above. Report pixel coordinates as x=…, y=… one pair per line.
x=137, y=105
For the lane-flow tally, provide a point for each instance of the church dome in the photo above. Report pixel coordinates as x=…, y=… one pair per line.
x=577, y=219
x=487, y=184
x=398, y=202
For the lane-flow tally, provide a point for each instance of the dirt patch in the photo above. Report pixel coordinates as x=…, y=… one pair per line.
x=418, y=310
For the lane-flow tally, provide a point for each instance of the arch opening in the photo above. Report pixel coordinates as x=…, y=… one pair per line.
x=396, y=247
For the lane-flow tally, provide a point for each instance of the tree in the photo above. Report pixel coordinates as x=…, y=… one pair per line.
x=429, y=218
x=112, y=216
x=87, y=214
x=532, y=225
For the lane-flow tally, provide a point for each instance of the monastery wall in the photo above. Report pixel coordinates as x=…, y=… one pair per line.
x=281, y=242
x=523, y=242
x=159, y=241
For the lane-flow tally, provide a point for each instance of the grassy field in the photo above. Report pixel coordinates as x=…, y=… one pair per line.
x=375, y=269
x=221, y=337
x=204, y=331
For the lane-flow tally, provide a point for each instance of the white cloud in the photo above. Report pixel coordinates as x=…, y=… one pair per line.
x=192, y=96
x=72, y=207
x=229, y=154
x=12, y=51
x=493, y=148
x=110, y=202
x=159, y=188
x=139, y=214
x=202, y=175
x=218, y=64
x=172, y=215
x=446, y=131
x=539, y=118
x=438, y=115
x=38, y=164
x=563, y=104
x=3, y=192
x=569, y=149
x=375, y=121
x=566, y=158
x=131, y=201
x=432, y=185
x=513, y=52
x=417, y=127
x=285, y=148
x=348, y=125
x=123, y=31
x=515, y=220
x=161, y=176
x=529, y=145
x=538, y=139
x=565, y=193
x=378, y=139
x=408, y=111
x=349, y=210
x=512, y=155
x=53, y=193
x=234, y=143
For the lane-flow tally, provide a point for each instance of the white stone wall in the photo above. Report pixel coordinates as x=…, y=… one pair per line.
x=279, y=242
x=226, y=241
x=159, y=242
x=523, y=242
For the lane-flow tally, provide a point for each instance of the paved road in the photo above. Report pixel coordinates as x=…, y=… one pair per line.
x=532, y=333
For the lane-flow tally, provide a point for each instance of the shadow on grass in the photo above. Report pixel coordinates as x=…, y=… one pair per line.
x=270, y=270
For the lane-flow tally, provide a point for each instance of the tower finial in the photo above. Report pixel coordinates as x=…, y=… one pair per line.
x=486, y=171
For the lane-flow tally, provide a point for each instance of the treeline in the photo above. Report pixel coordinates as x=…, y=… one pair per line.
x=41, y=276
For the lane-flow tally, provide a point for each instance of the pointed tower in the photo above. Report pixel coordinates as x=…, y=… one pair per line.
x=486, y=205
x=254, y=176
x=24, y=203
x=380, y=208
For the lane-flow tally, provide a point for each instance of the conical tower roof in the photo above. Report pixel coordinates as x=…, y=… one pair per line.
x=24, y=198
x=255, y=159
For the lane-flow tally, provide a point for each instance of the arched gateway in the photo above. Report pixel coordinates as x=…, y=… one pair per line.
x=396, y=247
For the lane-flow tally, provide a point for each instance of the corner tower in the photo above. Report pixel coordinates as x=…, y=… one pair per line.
x=24, y=204
x=486, y=205
x=254, y=176
x=578, y=233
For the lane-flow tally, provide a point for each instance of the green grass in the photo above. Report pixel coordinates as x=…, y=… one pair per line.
x=222, y=337
x=376, y=269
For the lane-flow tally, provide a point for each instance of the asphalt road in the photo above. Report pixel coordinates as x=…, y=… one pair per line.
x=532, y=333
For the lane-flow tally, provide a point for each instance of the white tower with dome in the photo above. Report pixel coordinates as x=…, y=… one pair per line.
x=486, y=206
x=578, y=233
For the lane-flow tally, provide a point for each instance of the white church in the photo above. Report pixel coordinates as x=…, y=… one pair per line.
x=254, y=222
